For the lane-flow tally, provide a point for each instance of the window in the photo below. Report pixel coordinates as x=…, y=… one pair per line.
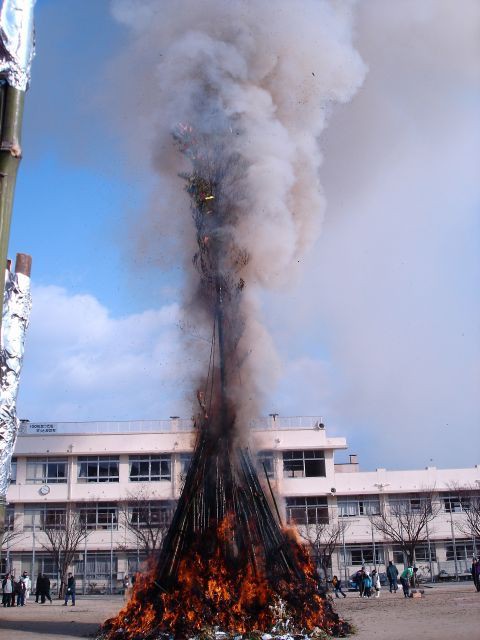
x=99, y=569
x=465, y=550
x=454, y=503
x=409, y=503
x=360, y=554
x=136, y=562
x=185, y=460
x=13, y=471
x=265, y=463
x=303, y=464
x=151, y=513
x=98, y=469
x=99, y=515
x=44, y=516
x=44, y=563
x=421, y=553
x=46, y=470
x=10, y=518
x=307, y=510
x=352, y=506
x=150, y=468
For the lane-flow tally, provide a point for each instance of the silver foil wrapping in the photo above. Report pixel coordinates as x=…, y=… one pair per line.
x=16, y=41
x=17, y=303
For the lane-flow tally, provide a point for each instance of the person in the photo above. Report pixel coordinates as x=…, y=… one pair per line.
x=359, y=581
x=367, y=585
x=376, y=583
x=337, y=587
x=392, y=575
x=20, y=592
x=126, y=587
x=477, y=584
x=44, y=589
x=28, y=585
x=405, y=578
x=475, y=570
x=70, y=590
x=7, y=588
x=38, y=586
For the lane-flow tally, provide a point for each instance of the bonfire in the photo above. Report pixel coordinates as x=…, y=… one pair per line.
x=227, y=565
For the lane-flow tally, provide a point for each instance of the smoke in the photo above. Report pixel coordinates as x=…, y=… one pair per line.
x=262, y=78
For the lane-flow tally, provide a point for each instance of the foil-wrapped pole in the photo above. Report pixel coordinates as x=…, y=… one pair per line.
x=17, y=303
x=16, y=42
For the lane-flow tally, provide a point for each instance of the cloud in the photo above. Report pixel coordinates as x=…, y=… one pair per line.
x=83, y=364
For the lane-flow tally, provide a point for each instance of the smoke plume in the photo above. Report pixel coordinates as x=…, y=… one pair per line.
x=258, y=79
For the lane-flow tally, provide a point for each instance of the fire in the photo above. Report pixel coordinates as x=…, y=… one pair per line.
x=211, y=592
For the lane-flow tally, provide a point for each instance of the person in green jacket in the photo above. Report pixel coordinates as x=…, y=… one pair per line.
x=405, y=580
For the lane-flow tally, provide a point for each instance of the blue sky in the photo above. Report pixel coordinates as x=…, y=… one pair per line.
x=380, y=335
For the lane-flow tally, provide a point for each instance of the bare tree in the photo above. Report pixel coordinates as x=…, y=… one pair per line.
x=468, y=502
x=9, y=533
x=146, y=520
x=323, y=539
x=63, y=539
x=405, y=521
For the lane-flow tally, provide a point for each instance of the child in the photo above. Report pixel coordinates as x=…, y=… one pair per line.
x=337, y=587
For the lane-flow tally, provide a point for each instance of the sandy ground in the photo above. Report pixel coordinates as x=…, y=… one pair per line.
x=447, y=612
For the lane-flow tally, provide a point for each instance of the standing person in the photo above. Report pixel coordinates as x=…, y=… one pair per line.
x=28, y=585
x=477, y=573
x=38, y=587
x=45, y=589
x=70, y=590
x=367, y=585
x=20, y=592
x=337, y=587
x=376, y=583
x=359, y=581
x=7, y=588
x=405, y=580
x=392, y=575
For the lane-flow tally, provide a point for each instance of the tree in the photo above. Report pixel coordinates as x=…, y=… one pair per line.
x=405, y=521
x=9, y=532
x=64, y=537
x=469, y=505
x=146, y=520
x=323, y=539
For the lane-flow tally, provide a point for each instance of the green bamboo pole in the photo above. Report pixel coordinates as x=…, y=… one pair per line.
x=11, y=115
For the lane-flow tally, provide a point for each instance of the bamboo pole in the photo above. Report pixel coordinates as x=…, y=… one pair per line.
x=11, y=114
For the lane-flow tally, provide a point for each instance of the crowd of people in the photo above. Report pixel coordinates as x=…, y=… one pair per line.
x=15, y=593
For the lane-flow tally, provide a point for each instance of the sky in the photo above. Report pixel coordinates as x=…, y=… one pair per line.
x=379, y=333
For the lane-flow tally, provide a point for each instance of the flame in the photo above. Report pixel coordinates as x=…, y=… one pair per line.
x=208, y=593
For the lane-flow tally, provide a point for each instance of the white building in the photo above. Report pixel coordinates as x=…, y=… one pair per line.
x=92, y=467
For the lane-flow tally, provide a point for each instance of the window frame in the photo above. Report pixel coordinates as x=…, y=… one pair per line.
x=97, y=461
x=307, y=510
x=164, y=461
x=298, y=463
x=96, y=523
x=46, y=463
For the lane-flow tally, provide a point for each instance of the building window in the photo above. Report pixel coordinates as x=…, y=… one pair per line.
x=13, y=471
x=10, y=518
x=465, y=550
x=44, y=516
x=265, y=463
x=151, y=513
x=99, y=515
x=307, y=510
x=98, y=469
x=362, y=554
x=304, y=464
x=358, y=506
x=454, y=503
x=136, y=562
x=46, y=470
x=409, y=503
x=99, y=570
x=44, y=563
x=150, y=468
x=421, y=553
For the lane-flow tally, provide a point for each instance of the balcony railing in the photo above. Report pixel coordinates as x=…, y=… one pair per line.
x=174, y=425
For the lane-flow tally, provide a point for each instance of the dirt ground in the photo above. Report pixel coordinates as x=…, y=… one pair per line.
x=446, y=612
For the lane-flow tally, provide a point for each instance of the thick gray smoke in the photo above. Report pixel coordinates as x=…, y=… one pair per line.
x=264, y=75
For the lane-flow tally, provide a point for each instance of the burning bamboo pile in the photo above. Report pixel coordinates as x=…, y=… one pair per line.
x=244, y=88
x=226, y=562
